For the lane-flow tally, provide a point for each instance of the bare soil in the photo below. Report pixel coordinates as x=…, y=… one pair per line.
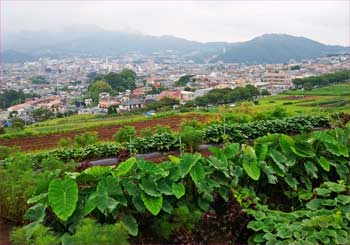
x=104, y=133
x=4, y=232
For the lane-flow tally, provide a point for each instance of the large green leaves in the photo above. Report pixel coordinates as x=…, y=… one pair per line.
x=324, y=163
x=250, y=164
x=36, y=213
x=197, y=173
x=178, y=189
x=302, y=149
x=153, y=204
x=149, y=187
x=124, y=167
x=105, y=189
x=63, y=197
x=187, y=162
x=130, y=224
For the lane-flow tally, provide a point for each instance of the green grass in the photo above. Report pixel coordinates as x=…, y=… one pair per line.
x=334, y=90
x=320, y=101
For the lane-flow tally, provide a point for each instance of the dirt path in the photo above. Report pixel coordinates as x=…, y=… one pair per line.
x=104, y=133
x=4, y=233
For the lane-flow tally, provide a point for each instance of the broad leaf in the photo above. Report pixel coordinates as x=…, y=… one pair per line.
x=302, y=150
x=124, y=167
x=291, y=181
x=178, y=190
x=152, y=204
x=105, y=189
x=90, y=204
x=149, y=187
x=250, y=164
x=311, y=170
x=151, y=168
x=35, y=213
x=197, y=173
x=314, y=204
x=37, y=198
x=187, y=162
x=97, y=171
x=63, y=197
x=231, y=150
x=130, y=224
x=278, y=157
x=261, y=151
x=324, y=163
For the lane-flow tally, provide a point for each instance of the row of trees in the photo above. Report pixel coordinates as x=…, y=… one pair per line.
x=227, y=95
x=11, y=97
x=322, y=80
x=111, y=82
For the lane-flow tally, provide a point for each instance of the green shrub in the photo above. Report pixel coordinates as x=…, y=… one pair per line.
x=160, y=129
x=193, y=123
x=191, y=137
x=90, y=232
x=181, y=218
x=5, y=152
x=65, y=142
x=232, y=118
x=124, y=134
x=279, y=112
x=36, y=235
x=85, y=139
x=2, y=130
x=146, y=132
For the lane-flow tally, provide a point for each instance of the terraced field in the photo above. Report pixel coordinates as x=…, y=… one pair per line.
x=105, y=133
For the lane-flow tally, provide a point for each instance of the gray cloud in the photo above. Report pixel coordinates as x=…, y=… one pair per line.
x=325, y=21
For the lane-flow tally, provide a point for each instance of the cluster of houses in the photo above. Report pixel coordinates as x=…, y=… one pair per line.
x=131, y=101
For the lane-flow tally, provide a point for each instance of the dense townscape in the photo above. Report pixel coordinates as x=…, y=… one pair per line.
x=61, y=85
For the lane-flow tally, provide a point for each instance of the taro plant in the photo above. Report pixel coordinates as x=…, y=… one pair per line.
x=324, y=219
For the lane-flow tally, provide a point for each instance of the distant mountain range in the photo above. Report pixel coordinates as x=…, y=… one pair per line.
x=268, y=48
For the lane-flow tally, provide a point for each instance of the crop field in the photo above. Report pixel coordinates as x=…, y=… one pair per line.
x=104, y=129
x=320, y=100
x=279, y=181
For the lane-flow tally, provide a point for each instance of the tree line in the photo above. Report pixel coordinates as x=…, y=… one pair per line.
x=228, y=95
x=11, y=97
x=322, y=80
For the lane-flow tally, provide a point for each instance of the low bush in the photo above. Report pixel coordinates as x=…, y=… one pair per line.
x=85, y=139
x=191, y=137
x=125, y=134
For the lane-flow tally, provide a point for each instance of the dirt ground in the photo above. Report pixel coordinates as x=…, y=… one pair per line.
x=104, y=133
x=4, y=233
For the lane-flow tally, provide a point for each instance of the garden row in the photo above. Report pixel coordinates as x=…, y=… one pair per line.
x=191, y=135
x=276, y=190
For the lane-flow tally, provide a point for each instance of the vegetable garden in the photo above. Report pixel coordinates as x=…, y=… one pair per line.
x=270, y=182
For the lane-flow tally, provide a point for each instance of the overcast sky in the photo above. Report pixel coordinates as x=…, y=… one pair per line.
x=324, y=21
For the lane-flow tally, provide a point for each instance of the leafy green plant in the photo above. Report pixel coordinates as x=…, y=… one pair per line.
x=124, y=134
x=191, y=137
x=325, y=219
x=37, y=234
x=65, y=142
x=85, y=139
x=192, y=123
x=90, y=232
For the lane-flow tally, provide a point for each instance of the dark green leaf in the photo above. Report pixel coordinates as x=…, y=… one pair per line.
x=130, y=224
